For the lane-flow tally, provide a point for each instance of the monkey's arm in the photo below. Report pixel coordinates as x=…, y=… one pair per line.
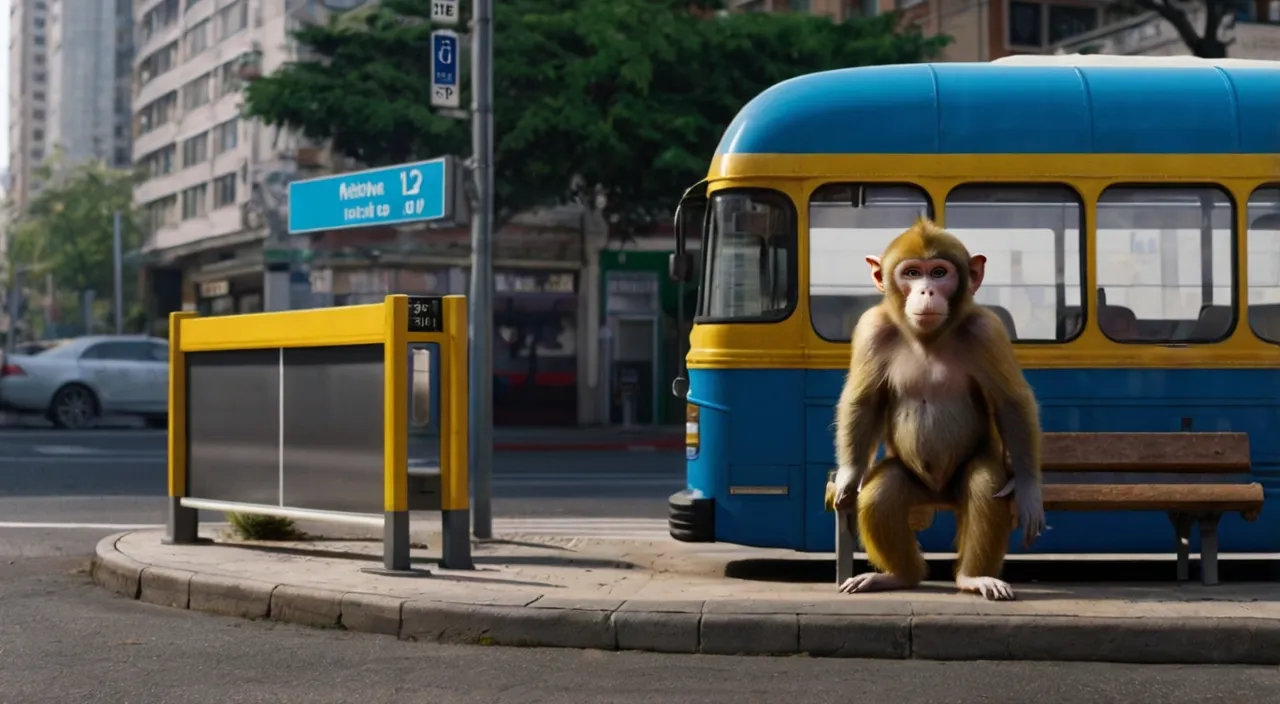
x=1017, y=418
x=860, y=412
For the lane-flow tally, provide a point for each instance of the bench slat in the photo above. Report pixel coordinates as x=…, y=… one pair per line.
x=1145, y=452
x=1244, y=498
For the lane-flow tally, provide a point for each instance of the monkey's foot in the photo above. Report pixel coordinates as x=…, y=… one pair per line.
x=873, y=582
x=990, y=587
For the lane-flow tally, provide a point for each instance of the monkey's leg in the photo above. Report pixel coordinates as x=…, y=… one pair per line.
x=983, y=527
x=884, y=505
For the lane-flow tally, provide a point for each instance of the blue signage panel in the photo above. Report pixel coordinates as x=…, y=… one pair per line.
x=444, y=58
x=387, y=196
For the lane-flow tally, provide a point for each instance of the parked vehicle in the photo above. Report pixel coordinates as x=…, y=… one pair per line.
x=76, y=381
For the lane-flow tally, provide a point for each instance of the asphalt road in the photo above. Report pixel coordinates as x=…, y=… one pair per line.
x=118, y=476
x=64, y=640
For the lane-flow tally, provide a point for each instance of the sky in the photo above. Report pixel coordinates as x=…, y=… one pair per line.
x=4, y=84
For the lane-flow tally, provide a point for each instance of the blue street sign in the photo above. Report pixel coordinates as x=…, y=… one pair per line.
x=387, y=196
x=444, y=68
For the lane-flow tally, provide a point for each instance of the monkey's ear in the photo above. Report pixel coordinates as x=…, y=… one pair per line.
x=977, y=268
x=877, y=274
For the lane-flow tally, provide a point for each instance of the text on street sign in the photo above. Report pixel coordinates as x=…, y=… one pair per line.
x=385, y=196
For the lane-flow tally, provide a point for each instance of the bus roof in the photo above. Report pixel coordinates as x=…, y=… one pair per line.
x=1021, y=105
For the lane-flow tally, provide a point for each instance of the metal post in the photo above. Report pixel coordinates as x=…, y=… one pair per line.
x=15, y=284
x=117, y=266
x=481, y=307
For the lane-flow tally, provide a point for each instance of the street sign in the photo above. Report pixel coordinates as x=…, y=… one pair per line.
x=392, y=195
x=444, y=12
x=444, y=69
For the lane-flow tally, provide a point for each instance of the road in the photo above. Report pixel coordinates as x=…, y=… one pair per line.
x=64, y=640
x=117, y=476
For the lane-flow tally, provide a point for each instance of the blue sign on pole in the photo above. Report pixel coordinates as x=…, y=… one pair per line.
x=387, y=196
x=444, y=69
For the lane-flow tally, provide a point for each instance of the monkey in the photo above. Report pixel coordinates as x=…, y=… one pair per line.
x=934, y=377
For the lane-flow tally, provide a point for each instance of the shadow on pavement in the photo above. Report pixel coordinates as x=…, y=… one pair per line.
x=1147, y=572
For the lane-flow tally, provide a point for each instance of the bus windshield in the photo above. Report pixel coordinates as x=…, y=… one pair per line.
x=750, y=258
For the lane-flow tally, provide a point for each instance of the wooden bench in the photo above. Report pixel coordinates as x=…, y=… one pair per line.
x=1193, y=477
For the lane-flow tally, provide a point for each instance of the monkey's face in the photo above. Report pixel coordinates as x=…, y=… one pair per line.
x=928, y=287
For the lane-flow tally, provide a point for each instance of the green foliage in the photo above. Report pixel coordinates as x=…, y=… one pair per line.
x=631, y=95
x=67, y=228
x=252, y=526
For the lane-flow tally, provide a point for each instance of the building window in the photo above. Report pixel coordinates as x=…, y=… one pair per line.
x=1165, y=260
x=195, y=150
x=40, y=77
x=159, y=213
x=37, y=135
x=224, y=190
x=1024, y=24
x=228, y=77
x=194, y=201
x=38, y=95
x=37, y=114
x=158, y=112
x=159, y=17
x=197, y=93
x=39, y=40
x=232, y=18
x=1067, y=21
x=1264, y=263
x=225, y=136
x=1035, y=26
x=159, y=62
x=196, y=39
x=159, y=162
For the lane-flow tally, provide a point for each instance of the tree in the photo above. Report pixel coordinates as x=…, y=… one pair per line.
x=67, y=227
x=630, y=96
x=1209, y=40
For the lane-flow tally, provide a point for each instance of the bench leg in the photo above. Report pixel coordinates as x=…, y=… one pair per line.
x=846, y=544
x=1182, y=530
x=1209, y=549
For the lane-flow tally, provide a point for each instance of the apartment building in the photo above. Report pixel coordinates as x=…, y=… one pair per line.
x=28, y=94
x=981, y=30
x=90, y=79
x=1253, y=33
x=202, y=158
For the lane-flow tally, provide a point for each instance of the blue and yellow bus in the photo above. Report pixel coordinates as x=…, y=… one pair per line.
x=1129, y=210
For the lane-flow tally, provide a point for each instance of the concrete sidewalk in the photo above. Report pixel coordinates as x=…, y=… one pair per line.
x=672, y=597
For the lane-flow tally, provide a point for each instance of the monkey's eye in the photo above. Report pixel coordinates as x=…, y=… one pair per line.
x=938, y=272
x=911, y=273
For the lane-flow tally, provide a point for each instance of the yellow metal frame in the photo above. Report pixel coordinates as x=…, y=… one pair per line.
x=794, y=344
x=383, y=323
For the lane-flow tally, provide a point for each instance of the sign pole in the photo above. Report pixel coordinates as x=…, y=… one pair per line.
x=481, y=307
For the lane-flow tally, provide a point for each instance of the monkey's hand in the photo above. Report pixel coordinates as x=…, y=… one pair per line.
x=848, y=484
x=1029, y=500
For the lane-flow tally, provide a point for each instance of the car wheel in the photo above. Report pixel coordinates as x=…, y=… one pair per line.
x=74, y=407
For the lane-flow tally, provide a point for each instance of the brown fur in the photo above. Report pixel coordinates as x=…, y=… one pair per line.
x=947, y=406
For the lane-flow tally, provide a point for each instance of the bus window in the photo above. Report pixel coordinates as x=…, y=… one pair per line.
x=1165, y=264
x=846, y=223
x=750, y=260
x=1032, y=239
x=1264, y=263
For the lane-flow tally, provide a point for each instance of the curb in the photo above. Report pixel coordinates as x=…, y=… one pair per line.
x=867, y=630
x=639, y=446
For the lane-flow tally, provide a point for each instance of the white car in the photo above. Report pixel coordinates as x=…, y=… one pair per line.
x=78, y=380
